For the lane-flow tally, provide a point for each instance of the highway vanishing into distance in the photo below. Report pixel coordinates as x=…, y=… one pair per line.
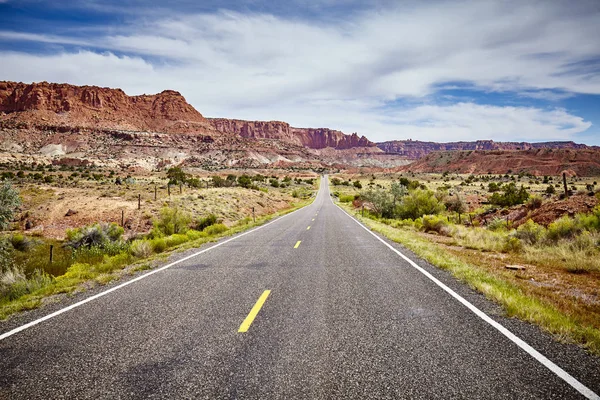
x=312, y=305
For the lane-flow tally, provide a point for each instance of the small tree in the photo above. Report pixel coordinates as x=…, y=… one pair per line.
x=456, y=204
x=176, y=175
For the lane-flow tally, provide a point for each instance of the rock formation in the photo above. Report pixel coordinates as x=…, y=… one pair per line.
x=91, y=106
x=415, y=149
x=314, y=138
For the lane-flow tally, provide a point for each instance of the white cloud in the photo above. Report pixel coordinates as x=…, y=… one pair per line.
x=340, y=74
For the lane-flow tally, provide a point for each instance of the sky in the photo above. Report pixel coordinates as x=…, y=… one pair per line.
x=390, y=70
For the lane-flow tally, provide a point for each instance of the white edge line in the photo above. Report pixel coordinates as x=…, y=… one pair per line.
x=122, y=285
x=561, y=373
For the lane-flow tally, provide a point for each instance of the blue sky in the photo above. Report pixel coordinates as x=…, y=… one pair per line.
x=436, y=70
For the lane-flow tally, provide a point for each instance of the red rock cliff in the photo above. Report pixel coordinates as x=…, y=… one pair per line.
x=85, y=106
x=314, y=138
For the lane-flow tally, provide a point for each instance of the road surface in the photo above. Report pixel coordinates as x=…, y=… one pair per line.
x=309, y=306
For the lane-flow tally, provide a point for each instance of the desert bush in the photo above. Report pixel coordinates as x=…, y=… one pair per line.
x=530, y=232
x=215, y=229
x=97, y=235
x=21, y=242
x=497, y=224
x=218, y=181
x=512, y=244
x=584, y=242
x=173, y=220
x=336, y=181
x=274, y=182
x=563, y=228
x=417, y=203
x=434, y=223
x=14, y=283
x=202, y=223
x=141, y=248
x=381, y=202
x=9, y=202
x=357, y=184
x=590, y=221
x=534, y=202
x=158, y=245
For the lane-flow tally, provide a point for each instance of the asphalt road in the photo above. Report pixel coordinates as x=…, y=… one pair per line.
x=346, y=317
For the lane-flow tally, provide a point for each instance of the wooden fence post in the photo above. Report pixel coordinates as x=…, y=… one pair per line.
x=565, y=184
x=139, y=201
x=51, y=253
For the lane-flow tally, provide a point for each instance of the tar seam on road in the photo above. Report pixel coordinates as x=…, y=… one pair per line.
x=561, y=373
x=104, y=293
x=254, y=312
x=298, y=244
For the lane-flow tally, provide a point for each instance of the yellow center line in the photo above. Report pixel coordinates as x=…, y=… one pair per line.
x=313, y=219
x=250, y=318
x=308, y=227
x=297, y=244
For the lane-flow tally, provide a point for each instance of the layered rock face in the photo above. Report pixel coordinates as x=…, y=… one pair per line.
x=314, y=138
x=91, y=106
x=414, y=149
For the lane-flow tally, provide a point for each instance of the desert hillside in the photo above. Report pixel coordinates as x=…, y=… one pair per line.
x=416, y=149
x=543, y=161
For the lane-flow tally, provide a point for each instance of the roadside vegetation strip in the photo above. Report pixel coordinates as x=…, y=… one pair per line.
x=512, y=298
x=254, y=312
x=103, y=268
x=572, y=381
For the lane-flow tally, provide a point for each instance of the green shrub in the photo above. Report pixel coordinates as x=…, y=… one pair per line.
x=497, y=224
x=9, y=202
x=534, y=202
x=173, y=220
x=434, y=223
x=417, y=203
x=158, y=245
x=530, y=232
x=176, y=240
x=20, y=242
x=96, y=235
x=584, y=242
x=141, y=249
x=14, y=283
x=511, y=196
x=563, y=228
x=512, y=244
x=346, y=198
x=193, y=234
x=215, y=229
x=590, y=221
x=357, y=184
x=207, y=221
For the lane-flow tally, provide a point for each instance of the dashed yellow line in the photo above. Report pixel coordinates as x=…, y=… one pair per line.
x=313, y=219
x=308, y=227
x=250, y=318
x=297, y=244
